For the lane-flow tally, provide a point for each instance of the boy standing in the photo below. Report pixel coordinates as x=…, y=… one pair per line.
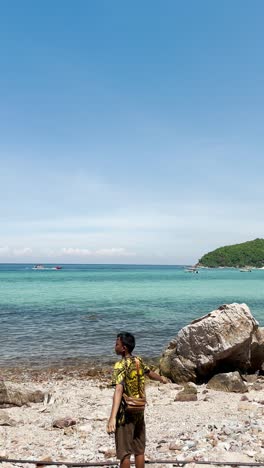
x=129, y=378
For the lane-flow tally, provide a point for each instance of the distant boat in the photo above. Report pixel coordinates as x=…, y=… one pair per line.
x=191, y=270
x=245, y=270
x=42, y=267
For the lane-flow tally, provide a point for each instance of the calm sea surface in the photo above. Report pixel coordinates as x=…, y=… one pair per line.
x=70, y=315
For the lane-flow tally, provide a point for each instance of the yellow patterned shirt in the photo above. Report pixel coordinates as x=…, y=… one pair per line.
x=125, y=373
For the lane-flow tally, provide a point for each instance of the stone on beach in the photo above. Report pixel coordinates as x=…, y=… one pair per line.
x=220, y=341
x=10, y=396
x=64, y=422
x=228, y=382
x=188, y=393
x=5, y=419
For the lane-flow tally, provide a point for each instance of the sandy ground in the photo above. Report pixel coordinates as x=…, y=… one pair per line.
x=219, y=426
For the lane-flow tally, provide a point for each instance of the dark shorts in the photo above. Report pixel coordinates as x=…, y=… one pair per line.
x=130, y=438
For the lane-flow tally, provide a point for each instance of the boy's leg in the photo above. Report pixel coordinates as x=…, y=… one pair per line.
x=140, y=460
x=124, y=441
x=125, y=463
x=139, y=443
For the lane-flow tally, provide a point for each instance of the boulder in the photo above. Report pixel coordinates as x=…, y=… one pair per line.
x=218, y=342
x=228, y=382
x=12, y=397
x=3, y=392
x=257, y=349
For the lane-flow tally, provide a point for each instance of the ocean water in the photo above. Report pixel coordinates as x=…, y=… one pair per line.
x=72, y=315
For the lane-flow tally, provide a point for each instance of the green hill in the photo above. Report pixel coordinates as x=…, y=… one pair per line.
x=249, y=253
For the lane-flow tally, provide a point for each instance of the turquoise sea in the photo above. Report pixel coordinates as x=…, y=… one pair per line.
x=72, y=315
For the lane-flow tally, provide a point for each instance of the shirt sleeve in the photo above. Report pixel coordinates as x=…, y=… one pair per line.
x=145, y=368
x=118, y=376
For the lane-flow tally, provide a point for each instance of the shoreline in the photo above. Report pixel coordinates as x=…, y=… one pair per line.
x=73, y=368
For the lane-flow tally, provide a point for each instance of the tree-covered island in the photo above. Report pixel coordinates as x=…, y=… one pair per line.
x=247, y=254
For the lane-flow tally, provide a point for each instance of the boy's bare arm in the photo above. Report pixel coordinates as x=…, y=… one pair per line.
x=159, y=378
x=111, y=425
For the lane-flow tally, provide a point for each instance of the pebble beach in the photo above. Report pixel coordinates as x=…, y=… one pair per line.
x=219, y=426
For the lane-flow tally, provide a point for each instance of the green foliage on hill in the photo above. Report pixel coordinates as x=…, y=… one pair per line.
x=249, y=253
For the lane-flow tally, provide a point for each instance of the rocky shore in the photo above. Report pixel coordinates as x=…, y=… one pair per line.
x=69, y=424
x=212, y=411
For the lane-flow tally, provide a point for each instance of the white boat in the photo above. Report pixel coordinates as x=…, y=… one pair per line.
x=42, y=267
x=191, y=270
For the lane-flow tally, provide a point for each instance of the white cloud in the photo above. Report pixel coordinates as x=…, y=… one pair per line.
x=115, y=252
x=112, y=252
x=4, y=250
x=76, y=252
x=24, y=252
x=7, y=251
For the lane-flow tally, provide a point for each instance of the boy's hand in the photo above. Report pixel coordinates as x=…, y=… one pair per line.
x=111, y=425
x=164, y=380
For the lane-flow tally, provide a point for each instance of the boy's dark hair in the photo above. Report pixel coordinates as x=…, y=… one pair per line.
x=128, y=340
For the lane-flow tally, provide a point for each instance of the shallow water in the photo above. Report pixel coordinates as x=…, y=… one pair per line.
x=50, y=316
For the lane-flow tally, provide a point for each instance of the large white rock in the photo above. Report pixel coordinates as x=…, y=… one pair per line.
x=217, y=342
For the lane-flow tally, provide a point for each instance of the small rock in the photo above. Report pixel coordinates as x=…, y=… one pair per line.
x=207, y=398
x=182, y=396
x=45, y=459
x=102, y=449
x=224, y=445
x=251, y=378
x=5, y=420
x=227, y=431
x=175, y=445
x=244, y=398
x=64, y=422
x=110, y=453
x=257, y=387
x=189, y=393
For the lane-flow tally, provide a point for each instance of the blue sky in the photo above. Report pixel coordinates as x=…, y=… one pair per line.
x=130, y=132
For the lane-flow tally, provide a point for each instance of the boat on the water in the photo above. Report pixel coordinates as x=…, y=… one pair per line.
x=42, y=267
x=245, y=270
x=191, y=270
